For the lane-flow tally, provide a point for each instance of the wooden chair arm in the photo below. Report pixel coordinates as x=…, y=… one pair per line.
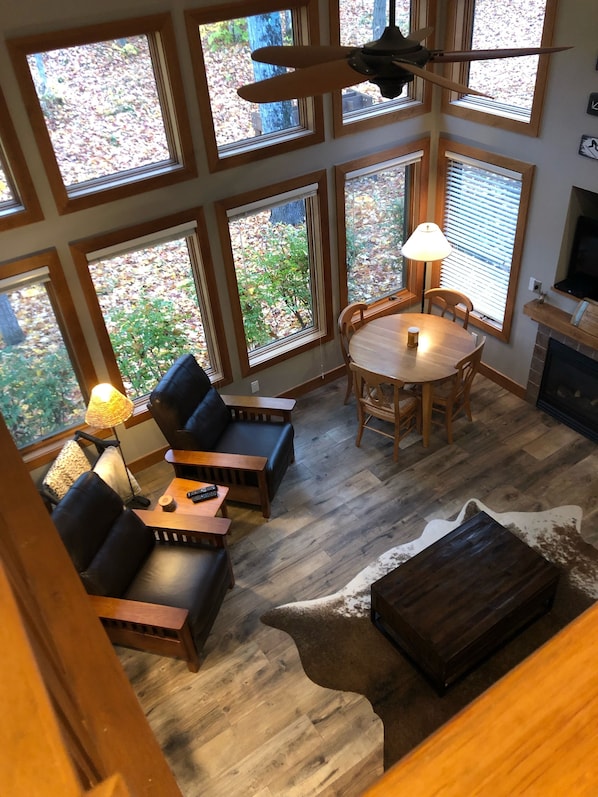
x=260, y=408
x=126, y=611
x=216, y=460
x=179, y=523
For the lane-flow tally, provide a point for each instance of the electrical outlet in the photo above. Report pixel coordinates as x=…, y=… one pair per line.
x=535, y=285
x=255, y=386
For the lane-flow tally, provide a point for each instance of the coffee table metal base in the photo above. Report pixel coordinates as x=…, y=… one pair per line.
x=456, y=602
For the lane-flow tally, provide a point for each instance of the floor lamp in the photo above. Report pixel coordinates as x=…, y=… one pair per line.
x=426, y=244
x=108, y=407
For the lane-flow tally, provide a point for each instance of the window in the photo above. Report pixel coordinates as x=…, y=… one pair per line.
x=151, y=295
x=221, y=43
x=44, y=378
x=277, y=256
x=515, y=85
x=485, y=207
x=18, y=200
x=378, y=202
x=354, y=23
x=107, y=109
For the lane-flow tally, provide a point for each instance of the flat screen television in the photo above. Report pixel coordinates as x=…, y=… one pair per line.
x=582, y=275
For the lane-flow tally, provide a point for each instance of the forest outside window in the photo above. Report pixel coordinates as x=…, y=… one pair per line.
x=356, y=22
x=151, y=294
x=44, y=374
x=378, y=203
x=276, y=248
x=485, y=199
x=107, y=109
x=221, y=42
x=515, y=85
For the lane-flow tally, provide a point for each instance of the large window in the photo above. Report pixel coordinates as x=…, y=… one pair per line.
x=152, y=297
x=107, y=109
x=45, y=371
x=356, y=22
x=515, y=85
x=277, y=252
x=378, y=202
x=221, y=42
x=485, y=200
x=18, y=200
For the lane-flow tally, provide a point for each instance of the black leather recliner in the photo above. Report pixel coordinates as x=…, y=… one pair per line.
x=153, y=587
x=245, y=443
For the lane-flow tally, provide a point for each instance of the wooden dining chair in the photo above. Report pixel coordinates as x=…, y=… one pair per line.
x=447, y=301
x=452, y=395
x=385, y=399
x=349, y=320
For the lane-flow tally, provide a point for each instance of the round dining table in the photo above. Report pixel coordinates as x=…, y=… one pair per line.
x=380, y=346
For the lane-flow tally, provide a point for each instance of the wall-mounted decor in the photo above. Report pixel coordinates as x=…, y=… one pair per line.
x=588, y=147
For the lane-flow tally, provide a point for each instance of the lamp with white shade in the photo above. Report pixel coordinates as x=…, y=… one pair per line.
x=426, y=244
x=108, y=407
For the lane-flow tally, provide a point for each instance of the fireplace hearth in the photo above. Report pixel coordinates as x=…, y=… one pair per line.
x=569, y=388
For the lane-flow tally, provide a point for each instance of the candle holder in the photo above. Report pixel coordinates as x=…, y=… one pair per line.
x=412, y=337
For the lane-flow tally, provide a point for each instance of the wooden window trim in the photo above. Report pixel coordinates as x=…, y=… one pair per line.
x=418, y=202
x=70, y=329
x=526, y=170
x=423, y=15
x=257, y=195
x=80, y=250
x=458, y=37
x=18, y=172
x=156, y=27
x=306, y=30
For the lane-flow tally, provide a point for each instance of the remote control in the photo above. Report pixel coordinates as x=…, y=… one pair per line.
x=204, y=496
x=210, y=488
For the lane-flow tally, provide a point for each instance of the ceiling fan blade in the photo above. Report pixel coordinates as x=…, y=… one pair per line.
x=300, y=55
x=482, y=55
x=432, y=77
x=308, y=82
x=421, y=34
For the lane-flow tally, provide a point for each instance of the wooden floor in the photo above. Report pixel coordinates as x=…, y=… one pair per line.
x=250, y=722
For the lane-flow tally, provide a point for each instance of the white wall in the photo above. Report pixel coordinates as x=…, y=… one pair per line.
x=572, y=78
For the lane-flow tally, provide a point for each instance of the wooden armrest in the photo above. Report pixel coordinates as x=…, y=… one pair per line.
x=214, y=459
x=139, y=612
x=190, y=525
x=260, y=406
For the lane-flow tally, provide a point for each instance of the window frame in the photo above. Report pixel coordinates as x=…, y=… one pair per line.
x=460, y=14
x=119, y=238
x=418, y=201
x=160, y=32
x=26, y=208
x=65, y=313
x=325, y=331
x=420, y=99
x=306, y=29
x=526, y=170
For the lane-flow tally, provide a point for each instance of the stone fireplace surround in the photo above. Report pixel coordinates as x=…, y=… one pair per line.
x=554, y=323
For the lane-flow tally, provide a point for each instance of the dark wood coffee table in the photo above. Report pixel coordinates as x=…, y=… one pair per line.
x=456, y=602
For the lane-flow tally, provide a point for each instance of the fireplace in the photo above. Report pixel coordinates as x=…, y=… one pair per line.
x=569, y=388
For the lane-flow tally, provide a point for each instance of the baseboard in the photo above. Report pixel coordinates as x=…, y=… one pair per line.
x=316, y=382
x=502, y=380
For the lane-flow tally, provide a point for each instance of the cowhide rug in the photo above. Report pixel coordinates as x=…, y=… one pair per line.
x=341, y=649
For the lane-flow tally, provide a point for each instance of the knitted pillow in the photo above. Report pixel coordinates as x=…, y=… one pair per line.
x=66, y=469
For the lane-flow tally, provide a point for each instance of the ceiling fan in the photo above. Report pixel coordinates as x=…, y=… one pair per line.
x=390, y=62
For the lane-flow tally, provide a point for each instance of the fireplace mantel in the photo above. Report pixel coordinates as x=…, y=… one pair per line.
x=559, y=320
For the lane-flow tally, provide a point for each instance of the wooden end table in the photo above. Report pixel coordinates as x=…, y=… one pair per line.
x=178, y=489
x=456, y=602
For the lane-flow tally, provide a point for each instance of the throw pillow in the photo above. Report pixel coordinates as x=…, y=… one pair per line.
x=111, y=468
x=66, y=469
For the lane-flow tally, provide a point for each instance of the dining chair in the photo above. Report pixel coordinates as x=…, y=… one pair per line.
x=452, y=395
x=447, y=301
x=349, y=321
x=385, y=399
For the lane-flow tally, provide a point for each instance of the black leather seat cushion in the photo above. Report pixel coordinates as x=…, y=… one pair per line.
x=187, y=577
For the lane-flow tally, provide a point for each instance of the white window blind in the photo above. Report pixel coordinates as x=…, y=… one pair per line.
x=480, y=221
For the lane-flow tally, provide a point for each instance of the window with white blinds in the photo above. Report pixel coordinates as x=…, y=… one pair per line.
x=481, y=214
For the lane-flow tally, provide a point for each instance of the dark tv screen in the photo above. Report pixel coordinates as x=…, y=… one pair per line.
x=584, y=253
